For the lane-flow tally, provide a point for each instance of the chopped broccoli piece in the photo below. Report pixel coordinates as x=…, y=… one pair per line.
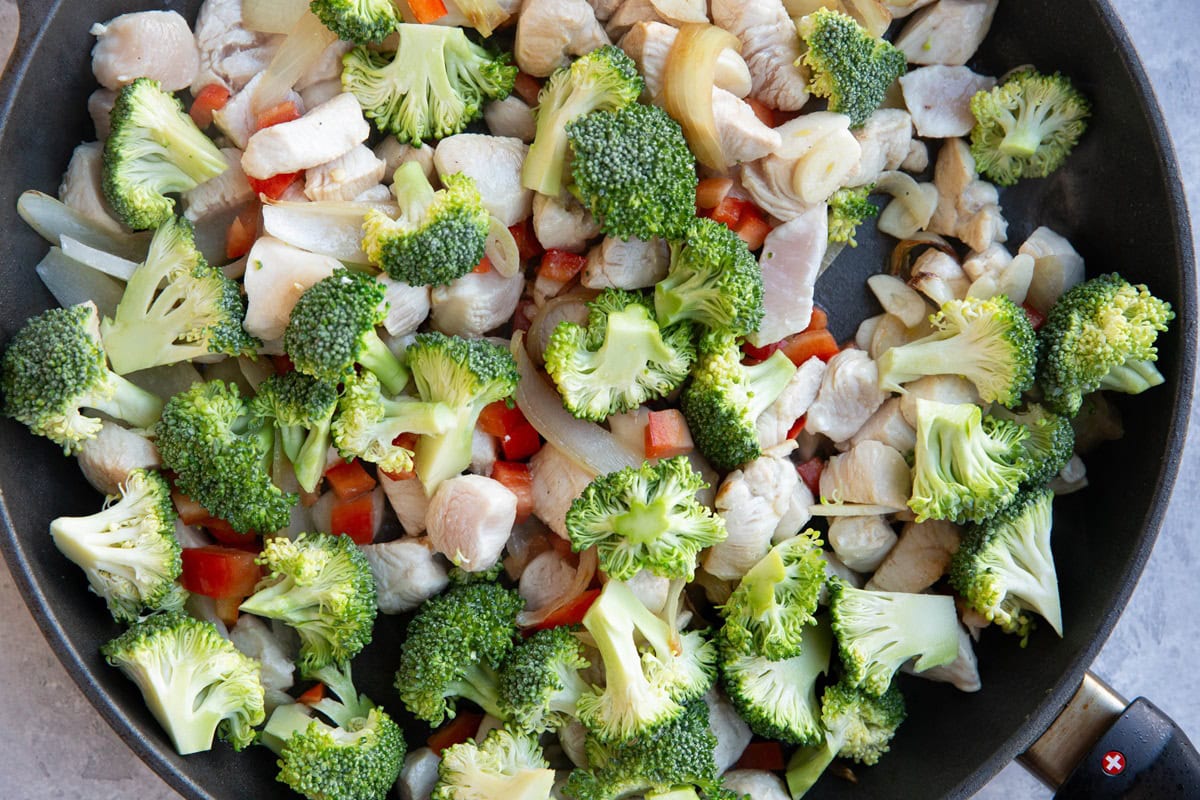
x=454, y=647
x=507, y=764
x=368, y=424
x=725, y=397
x=1027, y=126
x=540, y=681
x=55, y=367
x=849, y=208
x=194, y=681
x=332, y=328
x=1100, y=335
x=633, y=170
x=605, y=79
x=439, y=236
x=358, y=21
x=966, y=466
x=989, y=342
x=300, y=407
x=1004, y=567
x=175, y=307
x=467, y=375
x=154, y=149
x=1050, y=445
x=849, y=66
x=435, y=83
x=619, y=359
x=218, y=461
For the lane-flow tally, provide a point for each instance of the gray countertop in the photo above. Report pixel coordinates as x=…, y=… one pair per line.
x=58, y=747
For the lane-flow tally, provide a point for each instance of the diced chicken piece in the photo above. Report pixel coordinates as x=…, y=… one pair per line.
x=546, y=580
x=730, y=730
x=992, y=260
x=633, y=264
x=237, y=119
x=323, y=134
x=407, y=573
x=573, y=737
x=967, y=208
x=321, y=93
x=791, y=257
x=861, y=542
x=469, y=519
x=419, y=775
x=511, y=117
x=326, y=68
x=917, y=159
x=848, y=396
x=770, y=47
x=756, y=783
x=919, y=559
x=395, y=154
x=145, y=44
x=884, y=138
x=550, y=32
x=605, y=8
x=408, y=499
x=254, y=638
x=948, y=32
x=887, y=425
x=942, y=388
x=652, y=590
x=476, y=303
x=631, y=13
x=494, y=163
x=408, y=306
x=1056, y=267
x=743, y=135
x=793, y=402
x=870, y=473
x=100, y=103
x=81, y=186
x=484, y=452
x=939, y=99
x=107, y=458
x=230, y=55
x=984, y=227
x=561, y=223
x=346, y=177
x=962, y=673
x=378, y=194
x=276, y=275
x=902, y=8
x=557, y=481
x=768, y=182
x=939, y=277
x=649, y=45
x=227, y=192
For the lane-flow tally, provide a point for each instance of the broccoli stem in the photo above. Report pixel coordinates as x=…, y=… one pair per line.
x=413, y=191
x=1133, y=377
x=439, y=456
x=767, y=381
x=376, y=357
x=286, y=721
x=479, y=684
x=761, y=581
x=643, y=523
x=546, y=162
x=808, y=764
x=122, y=399
x=309, y=462
x=1028, y=131
x=918, y=359
x=190, y=149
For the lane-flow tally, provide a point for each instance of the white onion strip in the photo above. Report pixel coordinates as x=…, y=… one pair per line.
x=299, y=51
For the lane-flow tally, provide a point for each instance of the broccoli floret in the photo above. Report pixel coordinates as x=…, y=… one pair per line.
x=128, y=550
x=206, y=439
x=176, y=307
x=194, y=681
x=619, y=359
x=438, y=237
x=154, y=149
x=1100, y=335
x=454, y=647
x=1050, y=445
x=633, y=170
x=989, y=342
x=849, y=66
x=435, y=83
x=358, y=21
x=322, y=586
x=605, y=79
x=467, y=375
x=773, y=606
x=1004, y=567
x=1027, y=126
x=879, y=631
x=300, y=408
x=507, y=764
x=55, y=367
x=368, y=424
x=356, y=755
x=540, y=681
x=966, y=466
x=849, y=208
x=778, y=698
x=651, y=669
x=332, y=328
x=713, y=280
x=725, y=398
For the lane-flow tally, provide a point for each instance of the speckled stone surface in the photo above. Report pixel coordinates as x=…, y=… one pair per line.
x=57, y=747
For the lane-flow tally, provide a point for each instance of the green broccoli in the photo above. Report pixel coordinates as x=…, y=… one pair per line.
x=1027, y=126
x=605, y=79
x=713, y=280
x=129, y=550
x=194, y=681
x=506, y=764
x=778, y=698
x=540, y=681
x=773, y=605
x=154, y=149
x=633, y=170
x=175, y=307
x=467, y=375
x=1050, y=445
x=438, y=237
x=322, y=586
x=651, y=669
x=725, y=397
x=849, y=208
x=1100, y=335
x=358, y=21
x=454, y=648
x=966, y=466
x=849, y=66
x=1004, y=567
x=55, y=367
x=989, y=342
x=205, y=438
x=435, y=83
x=300, y=407
x=332, y=328
x=368, y=423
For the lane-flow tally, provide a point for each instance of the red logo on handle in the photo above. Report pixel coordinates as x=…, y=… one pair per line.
x=1114, y=762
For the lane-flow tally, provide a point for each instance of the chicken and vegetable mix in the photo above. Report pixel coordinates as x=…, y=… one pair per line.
x=501, y=315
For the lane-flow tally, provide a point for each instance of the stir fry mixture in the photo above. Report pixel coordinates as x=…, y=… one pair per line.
x=501, y=315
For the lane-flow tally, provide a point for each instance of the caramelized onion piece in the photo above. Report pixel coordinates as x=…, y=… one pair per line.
x=688, y=84
x=907, y=251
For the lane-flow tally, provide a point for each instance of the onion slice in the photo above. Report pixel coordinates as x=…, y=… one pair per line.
x=299, y=51
x=120, y=268
x=53, y=220
x=688, y=85
x=583, y=578
x=328, y=228
x=501, y=249
x=272, y=16
x=909, y=248
x=850, y=510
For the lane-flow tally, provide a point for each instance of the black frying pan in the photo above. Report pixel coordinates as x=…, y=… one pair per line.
x=1118, y=200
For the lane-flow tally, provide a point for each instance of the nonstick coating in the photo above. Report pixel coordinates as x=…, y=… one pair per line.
x=1118, y=200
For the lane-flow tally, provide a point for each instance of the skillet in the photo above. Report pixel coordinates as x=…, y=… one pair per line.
x=1118, y=200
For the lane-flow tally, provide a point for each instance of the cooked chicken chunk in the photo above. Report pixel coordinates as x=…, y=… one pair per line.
x=323, y=134
x=476, y=303
x=107, y=459
x=276, y=277
x=848, y=396
x=886, y=425
x=511, y=117
x=419, y=775
x=939, y=99
x=494, y=162
x=346, y=177
x=394, y=154
x=100, y=103
x=942, y=388
x=884, y=140
x=407, y=573
x=774, y=423
x=649, y=45
x=629, y=14
x=229, y=54
x=550, y=32
x=633, y=264
x=962, y=673
x=743, y=135
x=756, y=783
x=321, y=93
x=237, y=119
x=605, y=8
x=561, y=223
x=992, y=260
x=861, y=542
x=81, y=186
x=484, y=452
x=902, y=8
x=730, y=730
x=408, y=306
x=469, y=519
x=546, y=579
x=145, y=44
x=791, y=257
x=557, y=481
x=770, y=47
x=227, y=192
x=948, y=32
x=870, y=473
x=652, y=590
x=917, y=159
x=253, y=637
x=967, y=208
x=1057, y=266
x=939, y=277
x=408, y=499
x=919, y=559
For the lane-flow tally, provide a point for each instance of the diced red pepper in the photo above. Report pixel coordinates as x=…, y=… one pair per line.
x=711, y=191
x=190, y=512
x=728, y=211
x=765, y=113
x=498, y=417
x=561, y=546
x=312, y=695
x=520, y=443
x=273, y=187
x=805, y=345
x=456, y=731
x=348, y=480
x=243, y=232
x=484, y=266
x=819, y=319
x=527, y=244
x=752, y=227
x=1036, y=318
x=797, y=427
x=570, y=614
x=518, y=480
x=760, y=353
x=283, y=365
x=354, y=518
x=561, y=266
x=762, y=755
x=220, y=572
x=209, y=99
x=527, y=88
x=227, y=609
x=523, y=317
x=667, y=434
x=224, y=533
x=810, y=472
x=277, y=115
